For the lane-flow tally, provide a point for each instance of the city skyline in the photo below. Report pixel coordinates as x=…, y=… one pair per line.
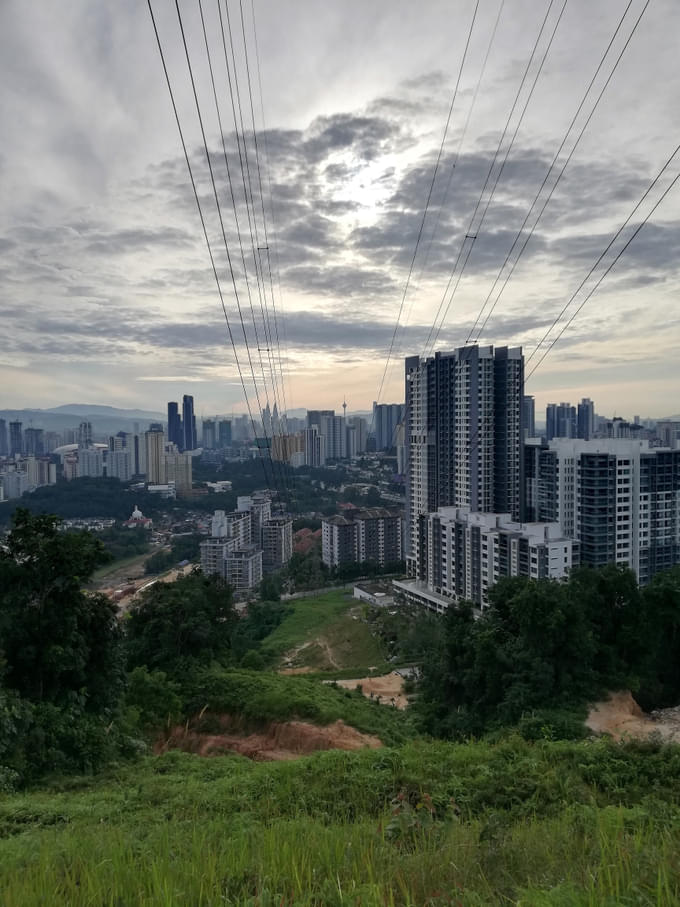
x=107, y=283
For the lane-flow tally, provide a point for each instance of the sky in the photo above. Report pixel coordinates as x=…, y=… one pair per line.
x=107, y=293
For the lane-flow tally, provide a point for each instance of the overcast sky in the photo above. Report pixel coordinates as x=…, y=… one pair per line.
x=106, y=289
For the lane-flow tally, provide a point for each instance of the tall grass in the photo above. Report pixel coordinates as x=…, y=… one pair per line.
x=424, y=824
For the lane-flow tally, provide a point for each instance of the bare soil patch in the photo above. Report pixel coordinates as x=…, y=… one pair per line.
x=620, y=717
x=388, y=687
x=278, y=741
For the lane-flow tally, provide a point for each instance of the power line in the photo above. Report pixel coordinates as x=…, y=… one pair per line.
x=561, y=173
x=454, y=163
x=273, y=232
x=472, y=230
x=610, y=266
x=227, y=167
x=427, y=202
x=268, y=481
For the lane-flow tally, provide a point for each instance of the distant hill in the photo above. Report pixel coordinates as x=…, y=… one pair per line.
x=95, y=409
x=105, y=420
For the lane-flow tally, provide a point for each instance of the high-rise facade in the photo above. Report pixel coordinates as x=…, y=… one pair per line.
x=189, y=423
x=224, y=433
x=620, y=499
x=209, y=436
x=16, y=441
x=34, y=442
x=585, y=419
x=386, y=417
x=529, y=416
x=470, y=552
x=463, y=438
x=175, y=427
x=4, y=448
x=154, y=445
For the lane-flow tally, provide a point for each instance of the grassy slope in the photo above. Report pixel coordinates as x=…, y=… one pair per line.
x=332, y=638
x=542, y=824
x=259, y=697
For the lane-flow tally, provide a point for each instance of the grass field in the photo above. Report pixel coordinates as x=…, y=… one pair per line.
x=426, y=824
x=125, y=563
x=326, y=633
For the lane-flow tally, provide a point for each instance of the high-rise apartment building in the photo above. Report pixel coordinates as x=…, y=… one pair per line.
x=314, y=447
x=224, y=433
x=189, y=423
x=364, y=535
x=386, y=417
x=470, y=552
x=90, y=462
x=529, y=416
x=560, y=421
x=4, y=444
x=209, y=434
x=154, y=445
x=175, y=427
x=85, y=435
x=359, y=426
x=119, y=464
x=16, y=440
x=585, y=419
x=620, y=499
x=34, y=442
x=277, y=543
x=463, y=439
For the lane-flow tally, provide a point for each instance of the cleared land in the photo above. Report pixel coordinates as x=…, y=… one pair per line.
x=325, y=633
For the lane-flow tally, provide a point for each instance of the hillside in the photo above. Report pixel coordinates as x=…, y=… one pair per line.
x=424, y=824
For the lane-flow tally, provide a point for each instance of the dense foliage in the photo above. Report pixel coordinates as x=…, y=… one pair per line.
x=175, y=626
x=61, y=666
x=553, y=645
x=121, y=542
x=182, y=548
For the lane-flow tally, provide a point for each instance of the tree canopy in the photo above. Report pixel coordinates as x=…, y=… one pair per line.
x=177, y=624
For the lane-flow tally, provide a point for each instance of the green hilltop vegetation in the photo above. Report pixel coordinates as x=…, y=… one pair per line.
x=486, y=789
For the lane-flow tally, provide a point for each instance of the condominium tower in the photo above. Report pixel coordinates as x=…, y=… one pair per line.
x=463, y=441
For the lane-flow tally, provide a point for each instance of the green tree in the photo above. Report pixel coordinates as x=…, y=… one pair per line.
x=660, y=641
x=56, y=639
x=176, y=625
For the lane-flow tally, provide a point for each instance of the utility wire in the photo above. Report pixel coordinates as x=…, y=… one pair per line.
x=237, y=114
x=453, y=168
x=222, y=227
x=226, y=163
x=281, y=312
x=427, y=202
x=610, y=266
x=560, y=174
x=267, y=479
x=472, y=230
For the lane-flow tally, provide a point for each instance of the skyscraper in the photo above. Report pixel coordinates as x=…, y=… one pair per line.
x=224, y=433
x=175, y=428
x=34, y=443
x=155, y=457
x=189, y=423
x=585, y=419
x=4, y=449
x=16, y=441
x=529, y=416
x=209, y=440
x=386, y=417
x=463, y=437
